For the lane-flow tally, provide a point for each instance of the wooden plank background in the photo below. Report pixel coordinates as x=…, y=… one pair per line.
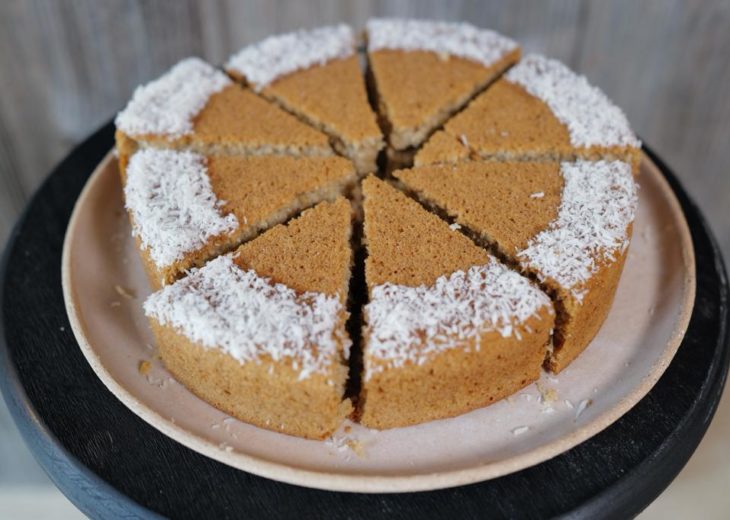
x=67, y=66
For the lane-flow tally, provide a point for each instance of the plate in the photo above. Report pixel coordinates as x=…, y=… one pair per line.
x=104, y=286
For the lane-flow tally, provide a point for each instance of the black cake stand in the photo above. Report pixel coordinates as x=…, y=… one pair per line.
x=112, y=464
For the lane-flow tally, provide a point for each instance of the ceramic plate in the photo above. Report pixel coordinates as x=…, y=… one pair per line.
x=104, y=287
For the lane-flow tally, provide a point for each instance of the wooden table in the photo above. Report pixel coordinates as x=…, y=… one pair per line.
x=110, y=463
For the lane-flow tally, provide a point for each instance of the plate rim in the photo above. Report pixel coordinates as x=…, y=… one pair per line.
x=366, y=482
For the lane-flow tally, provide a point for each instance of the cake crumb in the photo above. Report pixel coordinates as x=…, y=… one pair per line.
x=356, y=447
x=144, y=367
x=124, y=292
x=547, y=395
x=520, y=430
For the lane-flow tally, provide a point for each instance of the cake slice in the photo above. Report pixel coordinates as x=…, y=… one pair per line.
x=260, y=333
x=568, y=224
x=539, y=110
x=197, y=107
x=186, y=208
x=424, y=71
x=316, y=75
x=448, y=327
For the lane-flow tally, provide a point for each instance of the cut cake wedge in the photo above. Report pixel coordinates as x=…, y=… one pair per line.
x=260, y=333
x=197, y=107
x=316, y=75
x=424, y=71
x=186, y=208
x=568, y=224
x=448, y=327
x=539, y=110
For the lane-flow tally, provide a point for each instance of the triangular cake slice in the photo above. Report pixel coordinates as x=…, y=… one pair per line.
x=539, y=110
x=316, y=75
x=569, y=224
x=186, y=208
x=448, y=327
x=197, y=107
x=260, y=333
x=424, y=71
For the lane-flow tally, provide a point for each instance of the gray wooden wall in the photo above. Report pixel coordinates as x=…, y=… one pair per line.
x=67, y=66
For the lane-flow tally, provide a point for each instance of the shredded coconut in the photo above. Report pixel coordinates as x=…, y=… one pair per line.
x=277, y=56
x=520, y=430
x=410, y=324
x=445, y=38
x=168, y=105
x=173, y=206
x=592, y=119
x=248, y=316
x=598, y=204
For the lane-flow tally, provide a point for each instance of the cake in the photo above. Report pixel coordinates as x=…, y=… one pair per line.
x=186, y=208
x=568, y=224
x=260, y=333
x=449, y=328
x=195, y=106
x=539, y=109
x=424, y=71
x=274, y=233
x=316, y=75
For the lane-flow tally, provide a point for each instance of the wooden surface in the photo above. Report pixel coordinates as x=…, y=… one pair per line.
x=112, y=464
x=66, y=66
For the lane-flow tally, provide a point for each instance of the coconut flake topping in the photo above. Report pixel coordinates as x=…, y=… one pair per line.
x=168, y=105
x=172, y=204
x=248, y=316
x=277, y=56
x=598, y=204
x=411, y=324
x=592, y=119
x=456, y=39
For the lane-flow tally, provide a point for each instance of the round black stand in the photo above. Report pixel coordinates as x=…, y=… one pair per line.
x=110, y=463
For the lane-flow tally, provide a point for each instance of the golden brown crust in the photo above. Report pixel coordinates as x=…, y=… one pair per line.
x=267, y=394
x=579, y=322
x=455, y=381
x=419, y=90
